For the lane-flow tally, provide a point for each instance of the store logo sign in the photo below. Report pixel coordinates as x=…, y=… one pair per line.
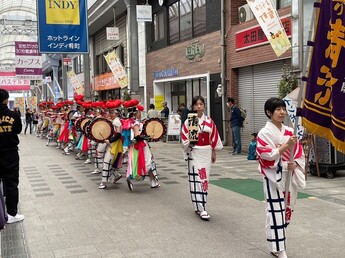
x=195, y=51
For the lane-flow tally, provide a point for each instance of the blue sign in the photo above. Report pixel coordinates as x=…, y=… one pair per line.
x=165, y=73
x=62, y=26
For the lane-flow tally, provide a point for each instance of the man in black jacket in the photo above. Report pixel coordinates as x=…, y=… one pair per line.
x=10, y=127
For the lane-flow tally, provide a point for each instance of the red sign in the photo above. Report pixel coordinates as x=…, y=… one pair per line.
x=254, y=36
x=9, y=82
x=67, y=61
x=106, y=81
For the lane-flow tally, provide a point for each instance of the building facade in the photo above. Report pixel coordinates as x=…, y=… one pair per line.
x=184, y=55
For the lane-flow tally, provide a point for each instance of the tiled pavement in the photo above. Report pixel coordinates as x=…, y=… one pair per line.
x=66, y=215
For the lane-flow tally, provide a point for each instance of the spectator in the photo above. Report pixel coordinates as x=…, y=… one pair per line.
x=28, y=120
x=152, y=112
x=235, y=124
x=35, y=116
x=183, y=110
x=9, y=157
x=165, y=111
x=252, y=148
x=17, y=111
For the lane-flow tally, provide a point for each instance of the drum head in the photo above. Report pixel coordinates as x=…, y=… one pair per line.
x=100, y=129
x=154, y=128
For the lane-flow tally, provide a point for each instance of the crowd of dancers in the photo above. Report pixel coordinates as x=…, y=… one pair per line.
x=109, y=133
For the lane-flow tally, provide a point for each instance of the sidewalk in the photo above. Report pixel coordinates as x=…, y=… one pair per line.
x=66, y=215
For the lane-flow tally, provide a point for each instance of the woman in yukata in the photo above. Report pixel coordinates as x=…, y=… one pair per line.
x=275, y=141
x=200, y=140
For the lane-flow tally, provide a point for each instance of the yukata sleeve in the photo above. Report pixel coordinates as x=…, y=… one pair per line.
x=298, y=177
x=216, y=142
x=267, y=151
x=185, y=137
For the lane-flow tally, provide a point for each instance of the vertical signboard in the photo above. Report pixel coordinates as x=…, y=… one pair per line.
x=62, y=26
x=117, y=68
x=28, y=60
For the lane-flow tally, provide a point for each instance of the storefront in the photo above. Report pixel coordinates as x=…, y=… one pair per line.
x=177, y=73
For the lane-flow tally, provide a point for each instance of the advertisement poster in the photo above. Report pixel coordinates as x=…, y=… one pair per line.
x=117, y=68
x=19, y=102
x=268, y=18
x=78, y=88
x=174, y=124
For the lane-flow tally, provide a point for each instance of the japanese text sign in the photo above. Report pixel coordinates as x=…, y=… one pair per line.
x=268, y=18
x=324, y=103
x=10, y=82
x=117, y=68
x=78, y=88
x=28, y=60
x=63, y=26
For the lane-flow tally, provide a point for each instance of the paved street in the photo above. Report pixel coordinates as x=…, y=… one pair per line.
x=66, y=215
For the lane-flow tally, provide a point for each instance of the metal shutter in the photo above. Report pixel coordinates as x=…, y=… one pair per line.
x=246, y=97
x=266, y=79
x=255, y=85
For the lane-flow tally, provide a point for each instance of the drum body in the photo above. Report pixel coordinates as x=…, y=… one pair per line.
x=77, y=124
x=154, y=128
x=100, y=129
x=82, y=122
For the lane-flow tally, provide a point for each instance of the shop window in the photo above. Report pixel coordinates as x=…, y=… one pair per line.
x=199, y=17
x=78, y=64
x=174, y=23
x=284, y=3
x=187, y=19
x=158, y=24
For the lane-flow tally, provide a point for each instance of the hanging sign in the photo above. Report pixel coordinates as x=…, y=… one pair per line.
x=144, y=13
x=113, y=33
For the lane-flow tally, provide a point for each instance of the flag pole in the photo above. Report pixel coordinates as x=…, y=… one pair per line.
x=299, y=100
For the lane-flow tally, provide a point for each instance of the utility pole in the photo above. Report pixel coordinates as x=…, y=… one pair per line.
x=86, y=63
x=132, y=46
x=223, y=65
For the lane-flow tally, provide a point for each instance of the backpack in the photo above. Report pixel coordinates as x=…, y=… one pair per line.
x=243, y=114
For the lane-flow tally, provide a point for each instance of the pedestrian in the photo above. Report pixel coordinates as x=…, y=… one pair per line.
x=165, y=111
x=152, y=113
x=274, y=144
x=200, y=155
x=17, y=111
x=28, y=120
x=10, y=127
x=35, y=116
x=236, y=123
x=183, y=110
x=252, y=148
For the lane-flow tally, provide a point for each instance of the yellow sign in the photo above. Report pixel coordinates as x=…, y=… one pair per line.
x=78, y=88
x=158, y=102
x=62, y=12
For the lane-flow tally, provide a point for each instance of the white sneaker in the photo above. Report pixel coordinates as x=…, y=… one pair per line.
x=96, y=171
x=14, y=219
x=88, y=161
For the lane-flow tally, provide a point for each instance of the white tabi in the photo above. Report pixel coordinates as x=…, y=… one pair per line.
x=199, y=160
x=273, y=167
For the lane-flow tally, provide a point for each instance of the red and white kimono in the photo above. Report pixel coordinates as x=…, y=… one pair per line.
x=198, y=159
x=273, y=167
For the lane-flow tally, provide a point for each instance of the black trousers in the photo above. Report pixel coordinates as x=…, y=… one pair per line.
x=28, y=124
x=9, y=174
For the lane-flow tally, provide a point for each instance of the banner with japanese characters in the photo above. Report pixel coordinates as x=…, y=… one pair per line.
x=10, y=82
x=268, y=18
x=78, y=88
x=117, y=68
x=324, y=102
x=28, y=60
x=62, y=26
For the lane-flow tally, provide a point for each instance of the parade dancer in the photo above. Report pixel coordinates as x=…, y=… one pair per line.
x=114, y=148
x=140, y=160
x=100, y=147
x=274, y=143
x=200, y=153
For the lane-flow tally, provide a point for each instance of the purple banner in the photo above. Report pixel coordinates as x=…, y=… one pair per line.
x=28, y=60
x=324, y=103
